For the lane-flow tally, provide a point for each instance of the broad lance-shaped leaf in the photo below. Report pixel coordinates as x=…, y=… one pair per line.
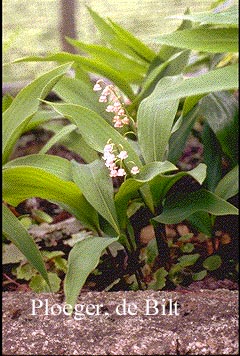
x=134, y=43
x=180, y=206
x=94, y=129
x=58, y=166
x=7, y=100
x=170, y=67
x=15, y=232
x=180, y=134
x=225, y=78
x=182, y=127
x=83, y=259
x=220, y=109
x=39, y=118
x=24, y=106
x=66, y=130
x=20, y=183
x=121, y=39
x=155, y=119
x=228, y=185
x=227, y=17
x=96, y=185
x=226, y=188
x=159, y=188
x=77, y=144
x=212, y=156
x=202, y=222
x=129, y=188
x=213, y=40
x=161, y=184
x=89, y=123
x=129, y=68
x=91, y=65
x=77, y=91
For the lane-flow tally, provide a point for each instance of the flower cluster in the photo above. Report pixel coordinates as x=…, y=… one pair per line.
x=115, y=105
x=114, y=161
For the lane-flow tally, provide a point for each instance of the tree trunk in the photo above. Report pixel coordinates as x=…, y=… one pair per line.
x=67, y=25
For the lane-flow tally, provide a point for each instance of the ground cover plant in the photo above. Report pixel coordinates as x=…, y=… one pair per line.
x=129, y=123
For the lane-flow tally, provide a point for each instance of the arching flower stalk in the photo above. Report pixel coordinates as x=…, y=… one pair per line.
x=115, y=103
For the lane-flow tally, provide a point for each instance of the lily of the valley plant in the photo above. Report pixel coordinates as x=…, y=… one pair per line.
x=130, y=126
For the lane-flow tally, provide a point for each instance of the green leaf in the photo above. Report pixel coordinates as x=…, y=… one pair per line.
x=77, y=91
x=161, y=184
x=146, y=174
x=216, y=80
x=61, y=264
x=40, y=118
x=96, y=185
x=134, y=43
x=155, y=119
x=26, y=221
x=201, y=221
x=198, y=276
x=40, y=216
x=189, y=103
x=11, y=254
x=179, y=136
x=110, y=37
x=81, y=74
x=91, y=65
x=227, y=17
x=48, y=255
x=25, y=271
x=228, y=185
x=159, y=279
x=94, y=129
x=7, y=100
x=38, y=284
x=107, y=33
x=151, y=251
x=129, y=188
x=212, y=263
x=220, y=109
x=187, y=248
x=24, y=182
x=213, y=40
x=212, y=154
x=15, y=232
x=186, y=238
x=170, y=67
x=24, y=106
x=177, y=63
x=77, y=144
x=188, y=260
x=180, y=206
x=175, y=273
x=150, y=82
x=129, y=68
x=83, y=259
x=66, y=130
x=89, y=123
x=58, y=166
